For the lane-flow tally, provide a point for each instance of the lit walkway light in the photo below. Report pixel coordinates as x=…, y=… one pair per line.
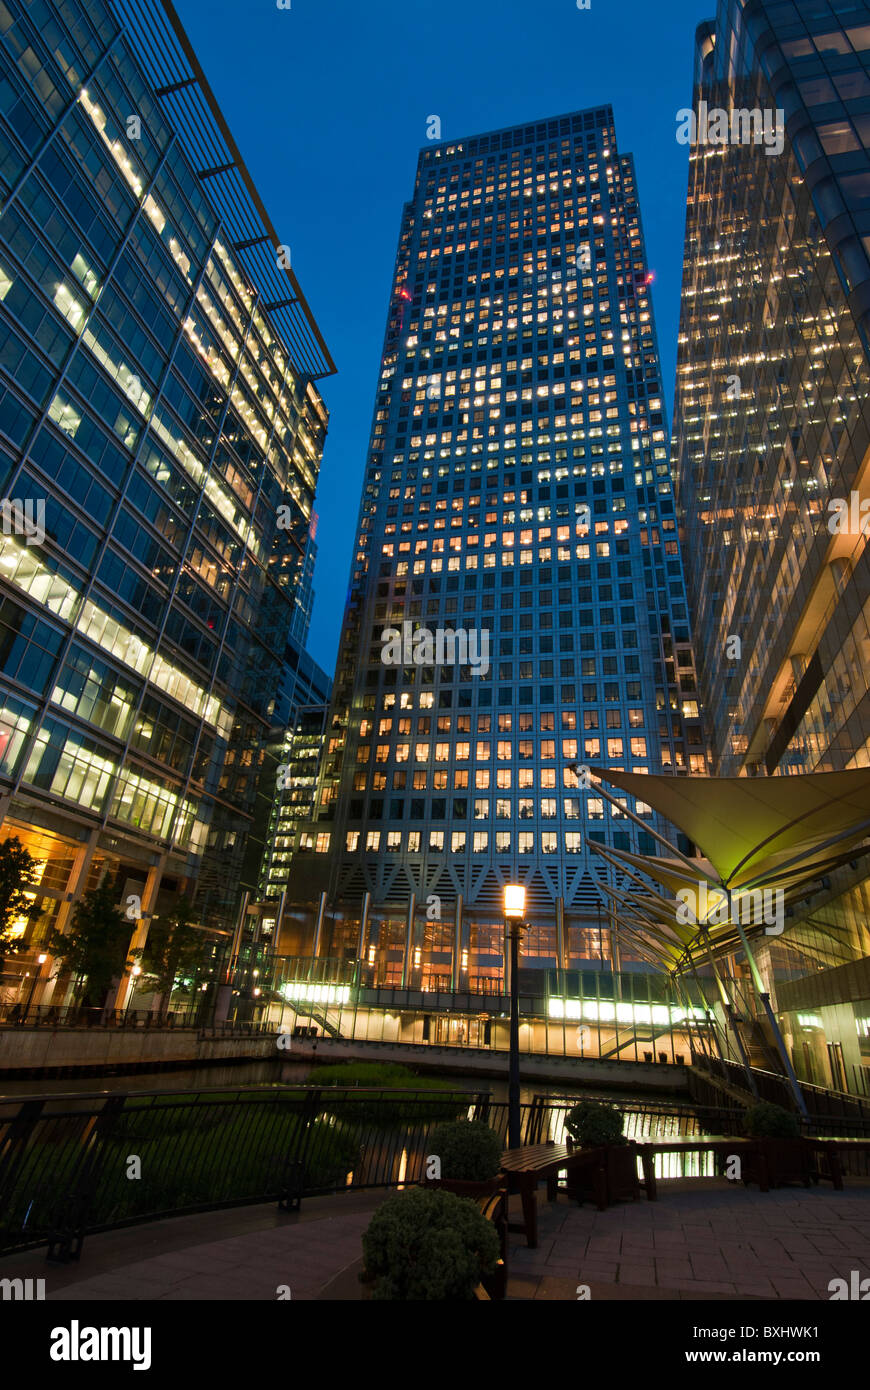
x=514, y=901
x=514, y=911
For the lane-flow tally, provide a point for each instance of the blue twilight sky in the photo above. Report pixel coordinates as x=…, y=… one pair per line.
x=328, y=101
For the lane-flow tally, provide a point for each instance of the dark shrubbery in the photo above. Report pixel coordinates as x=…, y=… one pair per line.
x=591, y=1123
x=435, y=1099
x=768, y=1121
x=192, y=1156
x=429, y=1245
x=468, y=1149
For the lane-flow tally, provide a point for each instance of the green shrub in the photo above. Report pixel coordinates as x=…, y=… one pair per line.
x=469, y=1150
x=192, y=1156
x=591, y=1123
x=362, y=1074
x=426, y=1244
x=435, y=1099
x=767, y=1121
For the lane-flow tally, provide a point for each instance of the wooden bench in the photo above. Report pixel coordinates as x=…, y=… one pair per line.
x=761, y=1165
x=723, y=1147
x=495, y=1208
x=532, y=1164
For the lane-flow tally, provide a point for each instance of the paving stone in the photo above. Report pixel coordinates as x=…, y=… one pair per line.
x=636, y=1274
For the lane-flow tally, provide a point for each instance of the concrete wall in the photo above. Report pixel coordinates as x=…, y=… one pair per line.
x=489, y=1064
x=36, y=1049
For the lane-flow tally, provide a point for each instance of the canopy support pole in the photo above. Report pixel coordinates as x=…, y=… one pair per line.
x=771, y=1018
x=691, y=864
x=728, y=1007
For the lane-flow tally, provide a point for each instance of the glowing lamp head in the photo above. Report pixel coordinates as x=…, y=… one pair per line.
x=514, y=900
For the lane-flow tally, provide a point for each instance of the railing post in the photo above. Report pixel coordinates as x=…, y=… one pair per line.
x=292, y=1195
x=69, y=1221
x=15, y=1147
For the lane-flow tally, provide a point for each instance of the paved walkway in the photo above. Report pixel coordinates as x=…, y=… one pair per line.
x=700, y=1240
x=246, y=1254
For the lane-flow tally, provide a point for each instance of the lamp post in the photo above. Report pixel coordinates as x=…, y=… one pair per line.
x=514, y=911
x=40, y=963
x=135, y=972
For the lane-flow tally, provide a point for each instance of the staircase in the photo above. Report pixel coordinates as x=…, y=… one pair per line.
x=303, y=1009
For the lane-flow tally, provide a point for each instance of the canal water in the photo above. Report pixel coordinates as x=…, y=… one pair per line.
x=280, y=1072
x=649, y=1117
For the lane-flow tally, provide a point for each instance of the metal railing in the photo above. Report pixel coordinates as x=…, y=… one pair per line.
x=71, y=1165
x=76, y=1164
x=77, y=1016
x=833, y=1113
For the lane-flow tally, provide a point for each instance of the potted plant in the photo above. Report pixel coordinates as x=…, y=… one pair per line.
x=607, y=1170
x=469, y=1155
x=429, y=1245
x=779, y=1154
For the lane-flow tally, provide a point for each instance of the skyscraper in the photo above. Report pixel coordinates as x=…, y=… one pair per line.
x=771, y=415
x=771, y=440
x=160, y=433
x=516, y=609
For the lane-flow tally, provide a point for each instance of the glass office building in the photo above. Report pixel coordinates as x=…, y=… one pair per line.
x=160, y=438
x=299, y=758
x=516, y=610
x=772, y=448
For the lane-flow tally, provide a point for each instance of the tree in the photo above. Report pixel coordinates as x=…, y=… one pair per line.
x=95, y=950
x=173, y=950
x=17, y=883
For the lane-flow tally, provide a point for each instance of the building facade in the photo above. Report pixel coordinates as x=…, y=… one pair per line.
x=516, y=610
x=160, y=437
x=772, y=447
x=299, y=759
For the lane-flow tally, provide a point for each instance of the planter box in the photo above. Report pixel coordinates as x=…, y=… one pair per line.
x=772, y=1162
x=604, y=1175
x=623, y=1184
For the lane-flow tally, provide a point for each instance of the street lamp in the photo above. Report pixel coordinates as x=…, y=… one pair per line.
x=135, y=972
x=514, y=911
x=41, y=962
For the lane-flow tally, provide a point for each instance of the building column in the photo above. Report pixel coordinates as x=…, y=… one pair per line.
x=318, y=926
x=363, y=927
x=841, y=569
x=456, y=973
x=140, y=931
x=561, y=936
x=761, y=952
x=615, y=956
x=410, y=934
x=224, y=992
x=78, y=878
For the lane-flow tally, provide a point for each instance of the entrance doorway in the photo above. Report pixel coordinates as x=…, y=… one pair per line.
x=456, y=1032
